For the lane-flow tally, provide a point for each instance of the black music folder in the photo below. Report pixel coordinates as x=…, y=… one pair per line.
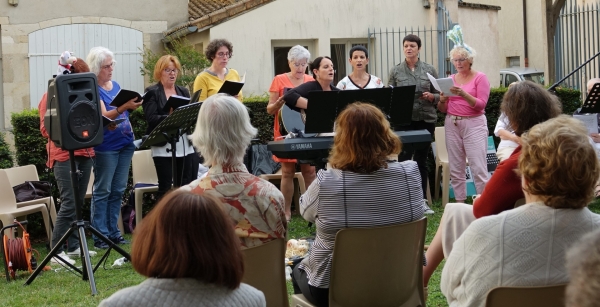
x=125, y=95
x=175, y=102
x=592, y=101
x=231, y=87
x=107, y=121
x=324, y=106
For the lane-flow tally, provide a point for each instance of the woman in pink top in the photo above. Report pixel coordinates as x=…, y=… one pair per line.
x=466, y=124
x=298, y=58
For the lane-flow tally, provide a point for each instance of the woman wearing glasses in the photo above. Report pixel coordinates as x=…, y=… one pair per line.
x=298, y=58
x=165, y=71
x=113, y=156
x=218, y=52
x=466, y=124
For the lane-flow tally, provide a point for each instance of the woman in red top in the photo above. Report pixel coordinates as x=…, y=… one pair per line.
x=525, y=105
x=298, y=58
x=58, y=161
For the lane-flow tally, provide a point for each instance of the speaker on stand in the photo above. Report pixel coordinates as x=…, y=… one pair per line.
x=74, y=121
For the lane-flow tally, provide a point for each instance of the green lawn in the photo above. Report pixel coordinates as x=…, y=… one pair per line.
x=64, y=288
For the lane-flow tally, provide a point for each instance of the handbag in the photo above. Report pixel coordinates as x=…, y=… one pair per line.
x=30, y=190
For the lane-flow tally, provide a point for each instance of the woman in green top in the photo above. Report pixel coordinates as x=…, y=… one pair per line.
x=412, y=71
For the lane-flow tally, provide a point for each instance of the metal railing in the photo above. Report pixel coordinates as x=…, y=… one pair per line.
x=385, y=45
x=576, y=40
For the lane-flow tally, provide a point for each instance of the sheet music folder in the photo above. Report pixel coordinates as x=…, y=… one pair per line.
x=592, y=101
x=181, y=120
x=324, y=106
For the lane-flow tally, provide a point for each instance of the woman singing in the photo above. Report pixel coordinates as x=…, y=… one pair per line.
x=218, y=52
x=298, y=58
x=166, y=70
x=359, y=78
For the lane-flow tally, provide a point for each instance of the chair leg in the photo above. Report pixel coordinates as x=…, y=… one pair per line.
x=139, y=201
x=436, y=190
x=46, y=217
x=120, y=223
x=446, y=183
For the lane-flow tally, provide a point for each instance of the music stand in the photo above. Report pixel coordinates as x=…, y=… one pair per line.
x=401, y=107
x=182, y=120
x=592, y=101
x=321, y=111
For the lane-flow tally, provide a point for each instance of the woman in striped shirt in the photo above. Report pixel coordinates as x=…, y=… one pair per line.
x=362, y=189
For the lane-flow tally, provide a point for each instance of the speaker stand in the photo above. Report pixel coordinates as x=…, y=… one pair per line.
x=80, y=226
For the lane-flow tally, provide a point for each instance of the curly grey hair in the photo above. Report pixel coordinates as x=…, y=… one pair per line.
x=297, y=53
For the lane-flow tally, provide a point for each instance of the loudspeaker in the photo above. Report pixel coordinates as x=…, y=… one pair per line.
x=73, y=117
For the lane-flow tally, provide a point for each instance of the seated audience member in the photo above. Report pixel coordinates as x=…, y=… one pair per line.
x=188, y=250
x=255, y=206
x=526, y=246
x=362, y=189
x=583, y=266
x=590, y=84
x=525, y=104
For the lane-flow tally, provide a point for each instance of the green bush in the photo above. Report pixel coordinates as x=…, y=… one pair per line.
x=29, y=142
x=6, y=156
x=261, y=120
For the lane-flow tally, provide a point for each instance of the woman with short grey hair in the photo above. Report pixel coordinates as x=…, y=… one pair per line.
x=298, y=58
x=113, y=156
x=223, y=132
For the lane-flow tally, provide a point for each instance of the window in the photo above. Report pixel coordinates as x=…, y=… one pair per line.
x=510, y=78
x=513, y=61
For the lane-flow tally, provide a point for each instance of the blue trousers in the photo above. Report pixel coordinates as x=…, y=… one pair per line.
x=111, y=172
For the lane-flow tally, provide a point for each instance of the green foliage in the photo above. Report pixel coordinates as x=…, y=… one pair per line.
x=6, y=156
x=29, y=142
x=192, y=62
x=257, y=106
x=138, y=123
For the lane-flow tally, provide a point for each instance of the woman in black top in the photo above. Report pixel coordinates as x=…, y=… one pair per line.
x=166, y=71
x=322, y=70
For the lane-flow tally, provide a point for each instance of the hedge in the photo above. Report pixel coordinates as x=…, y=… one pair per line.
x=6, y=157
x=30, y=145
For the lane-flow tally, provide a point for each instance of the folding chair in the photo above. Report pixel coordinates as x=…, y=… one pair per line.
x=380, y=266
x=21, y=174
x=264, y=269
x=442, y=166
x=545, y=296
x=144, y=171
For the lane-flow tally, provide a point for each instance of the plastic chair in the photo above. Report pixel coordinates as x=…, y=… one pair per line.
x=144, y=171
x=545, y=296
x=9, y=210
x=20, y=174
x=88, y=195
x=264, y=269
x=442, y=166
x=299, y=186
x=380, y=266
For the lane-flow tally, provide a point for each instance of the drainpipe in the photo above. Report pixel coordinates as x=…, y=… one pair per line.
x=526, y=60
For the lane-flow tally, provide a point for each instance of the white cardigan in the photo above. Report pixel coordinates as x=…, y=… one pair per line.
x=521, y=247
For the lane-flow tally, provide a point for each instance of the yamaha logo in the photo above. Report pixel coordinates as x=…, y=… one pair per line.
x=293, y=147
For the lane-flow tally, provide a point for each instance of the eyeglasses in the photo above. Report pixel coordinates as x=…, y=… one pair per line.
x=108, y=66
x=223, y=55
x=458, y=60
x=168, y=71
x=300, y=65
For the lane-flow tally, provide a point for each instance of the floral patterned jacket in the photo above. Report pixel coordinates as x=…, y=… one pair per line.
x=254, y=204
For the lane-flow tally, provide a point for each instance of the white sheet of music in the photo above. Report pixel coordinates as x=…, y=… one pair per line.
x=589, y=120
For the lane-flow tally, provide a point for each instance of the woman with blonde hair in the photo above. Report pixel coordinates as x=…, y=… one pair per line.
x=166, y=71
x=190, y=255
x=526, y=246
x=364, y=188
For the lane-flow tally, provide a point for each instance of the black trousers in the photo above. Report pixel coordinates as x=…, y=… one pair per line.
x=187, y=171
x=418, y=152
x=316, y=296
